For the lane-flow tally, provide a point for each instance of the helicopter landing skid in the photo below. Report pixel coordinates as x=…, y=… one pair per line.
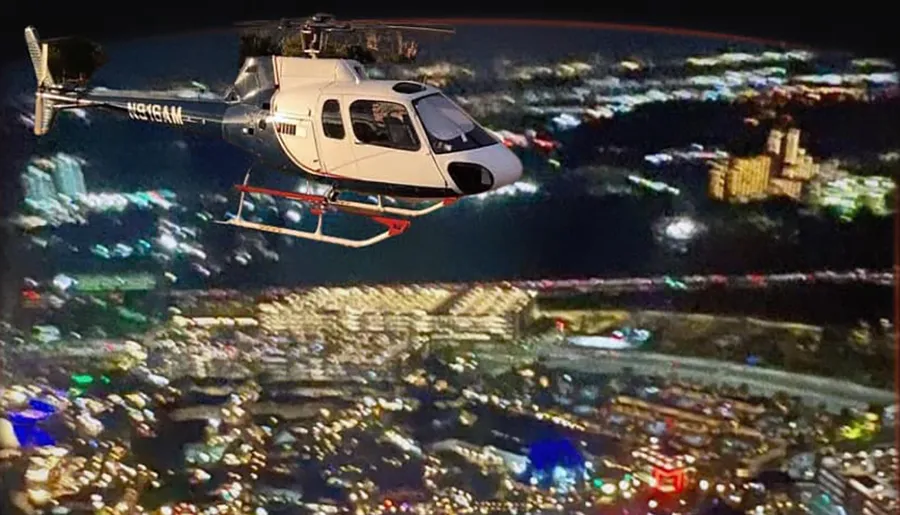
x=331, y=198
x=320, y=204
x=394, y=227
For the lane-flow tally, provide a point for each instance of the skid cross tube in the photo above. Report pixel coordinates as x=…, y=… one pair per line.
x=347, y=205
x=318, y=205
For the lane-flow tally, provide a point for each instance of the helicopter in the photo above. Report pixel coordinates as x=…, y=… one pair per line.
x=316, y=116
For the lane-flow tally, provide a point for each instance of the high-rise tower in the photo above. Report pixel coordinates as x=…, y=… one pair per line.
x=67, y=176
x=792, y=146
x=38, y=185
x=774, y=143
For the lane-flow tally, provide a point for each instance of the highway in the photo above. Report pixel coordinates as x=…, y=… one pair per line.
x=700, y=282
x=551, y=287
x=834, y=393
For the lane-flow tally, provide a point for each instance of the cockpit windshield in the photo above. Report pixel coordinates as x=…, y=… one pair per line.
x=448, y=127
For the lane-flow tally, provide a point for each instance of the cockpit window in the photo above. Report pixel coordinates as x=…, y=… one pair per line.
x=386, y=124
x=448, y=127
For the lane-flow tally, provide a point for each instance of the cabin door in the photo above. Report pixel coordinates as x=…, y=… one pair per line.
x=388, y=147
x=336, y=157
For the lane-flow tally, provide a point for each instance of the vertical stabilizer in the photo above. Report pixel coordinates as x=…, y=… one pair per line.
x=44, y=108
x=38, y=54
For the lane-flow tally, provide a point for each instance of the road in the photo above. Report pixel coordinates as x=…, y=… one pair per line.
x=834, y=393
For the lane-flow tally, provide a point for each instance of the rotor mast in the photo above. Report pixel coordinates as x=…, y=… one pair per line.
x=315, y=30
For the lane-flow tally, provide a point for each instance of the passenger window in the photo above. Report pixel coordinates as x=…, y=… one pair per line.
x=386, y=124
x=332, y=124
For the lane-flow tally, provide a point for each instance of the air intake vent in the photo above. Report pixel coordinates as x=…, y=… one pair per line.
x=286, y=128
x=471, y=178
x=408, y=88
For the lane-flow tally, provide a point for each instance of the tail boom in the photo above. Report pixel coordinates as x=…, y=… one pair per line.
x=166, y=108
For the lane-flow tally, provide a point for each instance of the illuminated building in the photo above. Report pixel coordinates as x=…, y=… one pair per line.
x=741, y=179
x=804, y=170
x=779, y=187
x=774, y=143
x=67, y=176
x=792, y=146
x=763, y=450
x=666, y=473
x=889, y=417
x=555, y=463
x=38, y=185
x=718, y=174
x=136, y=281
x=8, y=438
x=26, y=425
x=847, y=195
x=862, y=483
x=781, y=171
x=481, y=312
x=749, y=177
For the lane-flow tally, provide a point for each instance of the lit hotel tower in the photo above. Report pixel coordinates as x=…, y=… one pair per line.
x=38, y=185
x=779, y=172
x=773, y=144
x=741, y=179
x=8, y=439
x=67, y=176
x=791, y=146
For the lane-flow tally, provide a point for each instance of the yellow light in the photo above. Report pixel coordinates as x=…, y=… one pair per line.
x=39, y=496
x=37, y=475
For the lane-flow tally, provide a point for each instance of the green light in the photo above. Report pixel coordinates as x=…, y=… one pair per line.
x=82, y=379
x=598, y=482
x=104, y=379
x=627, y=477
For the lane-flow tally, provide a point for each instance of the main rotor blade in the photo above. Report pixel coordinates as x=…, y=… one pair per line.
x=387, y=25
x=255, y=23
x=281, y=22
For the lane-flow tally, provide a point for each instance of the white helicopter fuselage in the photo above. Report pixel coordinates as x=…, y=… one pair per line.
x=322, y=118
x=377, y=136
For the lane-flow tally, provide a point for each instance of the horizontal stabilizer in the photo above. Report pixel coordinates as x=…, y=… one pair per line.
x=44, y=114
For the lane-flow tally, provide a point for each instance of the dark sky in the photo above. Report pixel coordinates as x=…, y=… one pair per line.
x=829, y=24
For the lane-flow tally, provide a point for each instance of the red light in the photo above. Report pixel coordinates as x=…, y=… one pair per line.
x=664, y=478
x=388, y=503
x=560, y=325
x=544, y=144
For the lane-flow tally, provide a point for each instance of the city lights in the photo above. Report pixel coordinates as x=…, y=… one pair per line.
x=153, y=362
